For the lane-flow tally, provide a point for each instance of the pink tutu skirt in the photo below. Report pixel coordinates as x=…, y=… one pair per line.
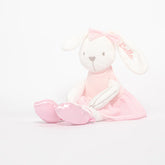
x=123, y=107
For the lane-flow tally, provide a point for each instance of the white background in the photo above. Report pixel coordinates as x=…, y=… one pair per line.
x=33, y=67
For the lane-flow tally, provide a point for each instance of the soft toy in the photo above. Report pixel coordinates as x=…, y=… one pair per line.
x=101, y=96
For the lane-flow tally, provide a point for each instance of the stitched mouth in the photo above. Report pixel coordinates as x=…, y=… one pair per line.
x=93, y=66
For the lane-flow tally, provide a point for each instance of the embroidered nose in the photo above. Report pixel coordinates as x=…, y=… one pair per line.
x=92, y=58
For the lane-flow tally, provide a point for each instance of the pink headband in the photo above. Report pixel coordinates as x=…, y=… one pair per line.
x=94, y=34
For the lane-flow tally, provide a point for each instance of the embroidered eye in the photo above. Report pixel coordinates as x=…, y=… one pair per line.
x=103, y=53
x=83, y=53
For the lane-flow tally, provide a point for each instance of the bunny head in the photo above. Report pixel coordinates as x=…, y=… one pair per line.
x=98, y=50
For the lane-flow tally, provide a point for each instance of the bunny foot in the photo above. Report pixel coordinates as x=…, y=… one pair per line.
x=74, y=114
x=46, y=111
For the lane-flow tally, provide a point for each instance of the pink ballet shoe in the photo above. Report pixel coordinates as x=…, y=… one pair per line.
x=45, y=109
x=73, y=114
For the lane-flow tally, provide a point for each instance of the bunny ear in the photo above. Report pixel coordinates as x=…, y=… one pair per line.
x=73, y=42
x=132, y=59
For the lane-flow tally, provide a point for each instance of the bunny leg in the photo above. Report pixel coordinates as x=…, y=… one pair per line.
x=77, y=114
x=45, y=109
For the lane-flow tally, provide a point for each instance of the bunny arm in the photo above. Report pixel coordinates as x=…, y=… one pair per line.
x=104, y=97
x=75, y=93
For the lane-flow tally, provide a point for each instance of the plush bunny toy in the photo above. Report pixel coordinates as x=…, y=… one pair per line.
x=100, y=96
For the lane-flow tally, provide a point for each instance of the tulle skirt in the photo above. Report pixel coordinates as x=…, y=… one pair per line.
x=123, y=107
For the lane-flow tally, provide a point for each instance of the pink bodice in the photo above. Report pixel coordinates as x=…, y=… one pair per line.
x=97, y=82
